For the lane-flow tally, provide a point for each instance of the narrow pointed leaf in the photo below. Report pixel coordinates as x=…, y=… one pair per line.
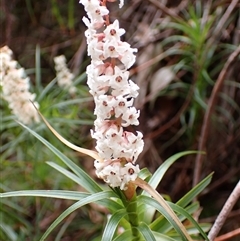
x=161, y=225
x=146, y=232
x=87, y=182
x=90, y=199
x=180, y=210
x=62, y=194
x=71, y=195
x=93, y=154
x=159, y=173
x=186, y=199
x=179, y=228
x=66, y=173
x=144, y=185
x=125, y=236
x=157, y=177
x=162, y=237
x=112, y=224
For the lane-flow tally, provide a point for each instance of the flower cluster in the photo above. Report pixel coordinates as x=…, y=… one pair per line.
x=113, y=94
x=15, y=88
x=64, y=76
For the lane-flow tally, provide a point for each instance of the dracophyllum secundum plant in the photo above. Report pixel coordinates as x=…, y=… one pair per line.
x=117, y=149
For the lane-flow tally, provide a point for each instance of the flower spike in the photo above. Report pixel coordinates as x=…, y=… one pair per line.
x=114, y=94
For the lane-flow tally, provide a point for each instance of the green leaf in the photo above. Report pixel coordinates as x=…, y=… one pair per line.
x=90, y=199
x=67, y=103
x=71, y=195
x=180, y=210
x=163, y=226
x=11, y=234
x=125, y=236
x=38, y=68
x=162, y=237
x=146, y=232
x=47, y=89
x=157, y=206
x=60, y=194
x=144, y=174
x=65, y=172
x=156, y=179
x=159, y=173
x=186, y=199
x=112, y=224
x=112, y=205
x=86, y=181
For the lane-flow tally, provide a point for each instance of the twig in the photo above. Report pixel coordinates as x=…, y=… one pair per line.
x=225, y=212
x=228, y=235
x=223, y=20
x=207, y=116
x=166, y=10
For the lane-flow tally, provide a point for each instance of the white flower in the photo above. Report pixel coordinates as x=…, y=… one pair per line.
x=126, y=54
x=95, y=12
x=131, y=117
x=113, y=32
x=121, y=105
x=117, y=175
x=15, y=88
x=64, y=76
x=104, y=106
x=114, y=93
x=121, y=3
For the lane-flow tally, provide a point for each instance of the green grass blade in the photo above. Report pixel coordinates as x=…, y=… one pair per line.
x=38, y=69
x=61, y=194
x=180, y=210
x=66, y=173
x=161, y=225
x=186, y=199
x=66, y=103
x=47, y=89
x=157, y=177
x=10, y=233
x=125, y=236
x=56, y=13
x=71, y=14
x=159, y=173
x=144, y=174
x=162, y=237
x=157, y=206
x=112, y=224
x=86, y=181
x=146, y=232
x=90, y=199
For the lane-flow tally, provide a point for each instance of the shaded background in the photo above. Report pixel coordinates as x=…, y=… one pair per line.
x=176, y=70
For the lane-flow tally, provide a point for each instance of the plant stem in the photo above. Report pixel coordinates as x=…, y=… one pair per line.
x=225, y=212
x=131, y=208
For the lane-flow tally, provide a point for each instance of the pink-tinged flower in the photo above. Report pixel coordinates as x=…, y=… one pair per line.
x=114, y=93
x=130, y=117
x=121, y=105
x=95, y=12
x=126, y=54
x=113, y=32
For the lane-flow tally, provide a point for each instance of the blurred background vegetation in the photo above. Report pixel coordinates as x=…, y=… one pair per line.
x=183, y=46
